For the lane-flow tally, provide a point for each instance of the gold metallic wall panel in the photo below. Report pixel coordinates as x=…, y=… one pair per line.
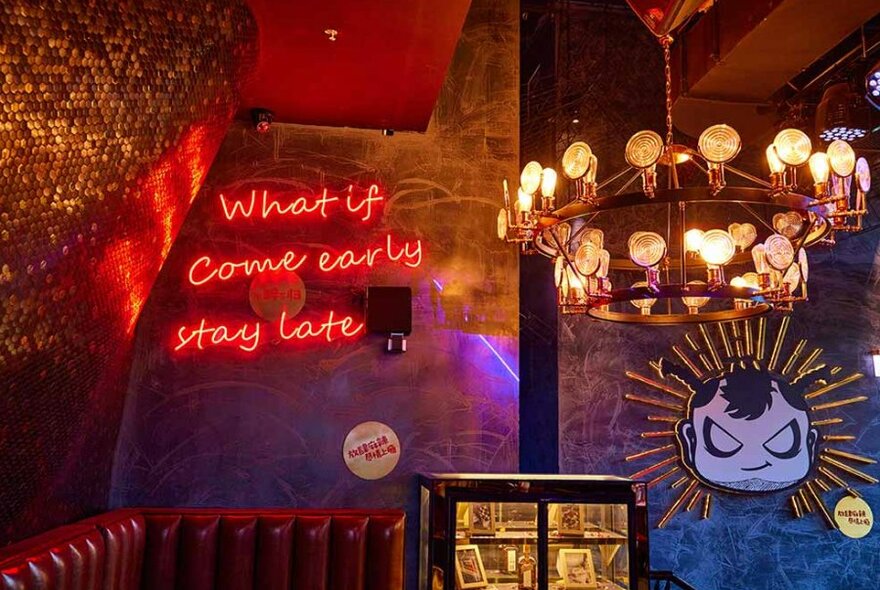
x=110, y=115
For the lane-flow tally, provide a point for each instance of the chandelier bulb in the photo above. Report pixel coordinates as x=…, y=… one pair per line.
x=530, y=178
x=819, y=167
x=548, y=182
x=777, y=166
x=525, y=201
x=693, y=240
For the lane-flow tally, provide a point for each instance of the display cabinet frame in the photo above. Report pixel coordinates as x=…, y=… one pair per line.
x=441, y=494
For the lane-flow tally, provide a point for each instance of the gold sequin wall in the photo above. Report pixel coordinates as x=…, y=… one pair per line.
x=110, y=115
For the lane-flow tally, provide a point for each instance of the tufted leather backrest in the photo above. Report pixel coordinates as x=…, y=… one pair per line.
x=214, y=549
x=205, y=549
x=66, y=558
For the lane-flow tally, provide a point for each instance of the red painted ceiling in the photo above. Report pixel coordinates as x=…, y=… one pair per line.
x=384, y=70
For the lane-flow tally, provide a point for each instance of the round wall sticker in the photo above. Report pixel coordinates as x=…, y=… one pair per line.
x=853, y=517
x=274, y=292
x=371, y=450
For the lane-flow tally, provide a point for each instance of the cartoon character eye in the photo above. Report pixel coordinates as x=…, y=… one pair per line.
x=785, y=444
x=718, y=441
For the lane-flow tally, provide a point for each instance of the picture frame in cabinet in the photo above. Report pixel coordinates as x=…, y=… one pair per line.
x=469, y=570
x=576, y=568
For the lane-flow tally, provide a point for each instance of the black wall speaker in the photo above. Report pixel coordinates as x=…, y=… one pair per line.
x=389, y=310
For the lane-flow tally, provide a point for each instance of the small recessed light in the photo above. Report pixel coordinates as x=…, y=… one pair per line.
x=331, y=34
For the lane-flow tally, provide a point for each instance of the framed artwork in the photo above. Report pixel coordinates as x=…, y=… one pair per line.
x=570, y=519
x=469, y=570
x=481, y=518
x=576, y=568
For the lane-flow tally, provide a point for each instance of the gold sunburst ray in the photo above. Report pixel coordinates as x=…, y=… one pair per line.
x=857, y=473
x=759, y=344
x=725, y=341
x=804, y=367
x=656, y=385
x=839, y=403
x=820, y=505
x=826, y=422
x=687, y=361
x=663, y=476
x=670, y=512
x=658, y=434
x=693, y=501
x=679, y=482
x=804, y=501
x=652, y=468
x=792, y=359
x=671, y=419
x=710, y=346
x=777, y=345
x=850, y=456
x=707, y=506
x=832, y=386
x=656, y=403
x=837, y=437
x=837, y=480
x=649, y=452
x=796, y=506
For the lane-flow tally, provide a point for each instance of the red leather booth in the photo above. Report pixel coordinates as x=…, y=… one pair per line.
x=207, y=549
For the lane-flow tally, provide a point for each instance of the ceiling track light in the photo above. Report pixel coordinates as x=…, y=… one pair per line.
x=679, y=276
x=842, y=114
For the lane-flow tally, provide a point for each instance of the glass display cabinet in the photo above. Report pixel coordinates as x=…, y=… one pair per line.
x=532, y=532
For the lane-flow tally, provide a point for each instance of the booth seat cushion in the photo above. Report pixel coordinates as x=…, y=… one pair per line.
x=124, y=536
x=66, y=558
x=206, y=549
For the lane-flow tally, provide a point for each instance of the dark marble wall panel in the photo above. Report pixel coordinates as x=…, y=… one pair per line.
x=749, y=542
x=222, y=429
x=110, y=115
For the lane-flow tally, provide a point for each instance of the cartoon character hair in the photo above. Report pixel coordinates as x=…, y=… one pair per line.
x=748, y=388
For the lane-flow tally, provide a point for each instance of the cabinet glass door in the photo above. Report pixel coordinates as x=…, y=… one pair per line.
x=587, y=547
x=496, y=546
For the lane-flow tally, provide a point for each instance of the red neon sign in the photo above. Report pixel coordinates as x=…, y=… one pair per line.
x=206, y=269
x=307, y=329
x=411, y=253
x=271, y=206
x=247, y=336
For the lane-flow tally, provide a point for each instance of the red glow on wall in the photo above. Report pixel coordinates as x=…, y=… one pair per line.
x=267, y=206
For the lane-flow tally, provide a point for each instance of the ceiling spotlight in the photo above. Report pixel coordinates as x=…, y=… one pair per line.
x=872, y=85
x=841, y=114
x=262, y=119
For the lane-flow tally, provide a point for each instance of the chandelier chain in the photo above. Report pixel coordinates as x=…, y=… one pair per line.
x=667, y=72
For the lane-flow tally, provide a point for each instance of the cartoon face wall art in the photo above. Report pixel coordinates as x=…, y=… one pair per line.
x=747, y=430
x=740, y=413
